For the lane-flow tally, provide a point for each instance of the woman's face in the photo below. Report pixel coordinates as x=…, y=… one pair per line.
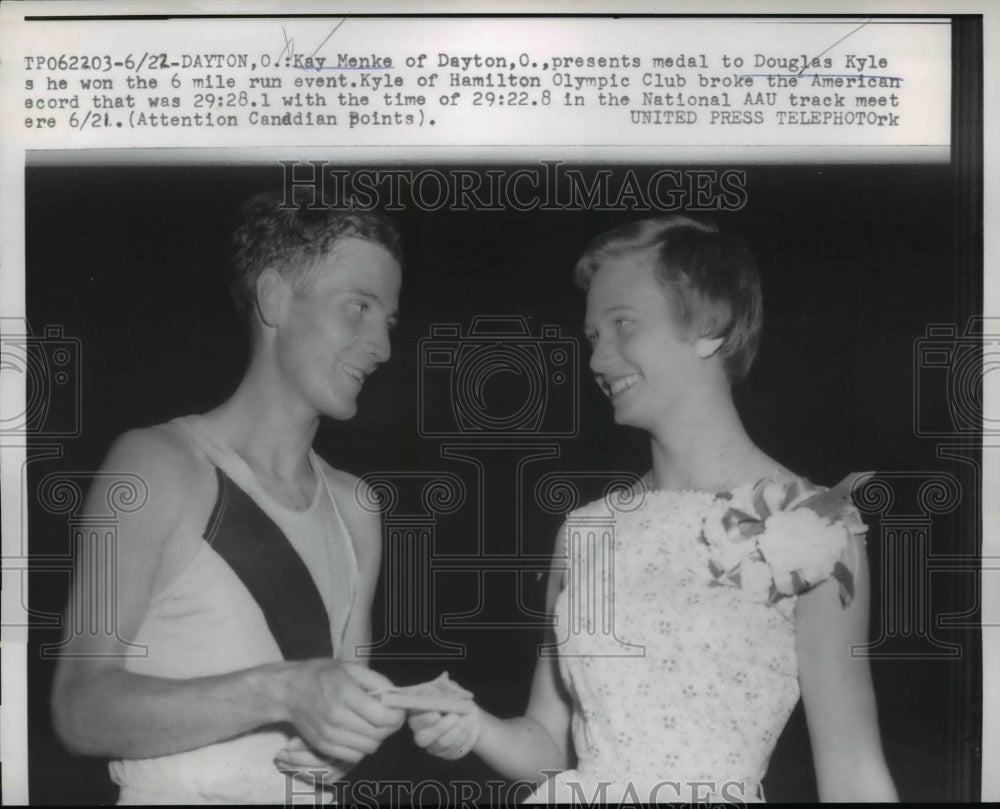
x=643, y=358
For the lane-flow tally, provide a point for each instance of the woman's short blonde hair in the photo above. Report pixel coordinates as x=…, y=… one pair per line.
x=710, y=279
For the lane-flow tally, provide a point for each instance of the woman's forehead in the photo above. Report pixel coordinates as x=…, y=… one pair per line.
x=629, y=275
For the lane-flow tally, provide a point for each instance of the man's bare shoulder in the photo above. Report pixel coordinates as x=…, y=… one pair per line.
x=160, y=449
x=168, y=464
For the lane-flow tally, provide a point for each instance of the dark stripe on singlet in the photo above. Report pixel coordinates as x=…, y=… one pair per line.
x=272, y=571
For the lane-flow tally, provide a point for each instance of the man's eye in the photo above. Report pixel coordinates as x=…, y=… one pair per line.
x=621, y=323
x=360, y=306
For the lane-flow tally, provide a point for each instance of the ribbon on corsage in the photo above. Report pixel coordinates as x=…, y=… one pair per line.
x=785, y=538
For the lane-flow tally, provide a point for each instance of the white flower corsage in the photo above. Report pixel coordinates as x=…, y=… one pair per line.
x=784, y=538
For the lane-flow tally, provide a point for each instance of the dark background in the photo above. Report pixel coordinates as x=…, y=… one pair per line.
x=856, y=262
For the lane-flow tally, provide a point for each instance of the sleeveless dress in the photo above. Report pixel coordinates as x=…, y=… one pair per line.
x=680, y=681
x=206, y=622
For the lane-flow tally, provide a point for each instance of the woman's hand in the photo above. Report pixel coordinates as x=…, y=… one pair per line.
x=442, y=715
x=449, y=736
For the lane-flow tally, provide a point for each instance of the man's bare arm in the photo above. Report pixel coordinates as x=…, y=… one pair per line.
x=100, y=708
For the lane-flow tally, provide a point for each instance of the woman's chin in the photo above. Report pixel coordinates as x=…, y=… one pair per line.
x=625, y=416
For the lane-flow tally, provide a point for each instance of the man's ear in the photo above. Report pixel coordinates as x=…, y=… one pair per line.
x=272, y=290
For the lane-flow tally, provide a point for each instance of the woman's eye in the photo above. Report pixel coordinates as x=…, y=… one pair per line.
x=621, y=323
x=360, y=306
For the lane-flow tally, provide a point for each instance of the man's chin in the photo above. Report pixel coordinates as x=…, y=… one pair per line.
x=342, y=411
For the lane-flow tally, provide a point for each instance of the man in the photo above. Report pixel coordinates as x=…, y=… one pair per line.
x=249, y=573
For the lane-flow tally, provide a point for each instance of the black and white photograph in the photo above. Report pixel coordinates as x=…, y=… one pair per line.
x=503, y=476
x=488, y=418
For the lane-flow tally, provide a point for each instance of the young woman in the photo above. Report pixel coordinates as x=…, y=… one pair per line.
x=729, y=585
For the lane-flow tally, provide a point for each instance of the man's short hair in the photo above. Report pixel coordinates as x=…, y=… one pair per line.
x=710, y=279
x=293, y=240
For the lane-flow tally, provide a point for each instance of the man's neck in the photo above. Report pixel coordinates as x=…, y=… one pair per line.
x=261, y=425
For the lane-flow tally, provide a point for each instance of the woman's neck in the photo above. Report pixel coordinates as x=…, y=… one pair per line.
x=706, y=449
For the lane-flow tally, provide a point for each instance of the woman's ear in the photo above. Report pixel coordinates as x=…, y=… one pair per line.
x=272, y=290
x=713, y=319
x=705, y=347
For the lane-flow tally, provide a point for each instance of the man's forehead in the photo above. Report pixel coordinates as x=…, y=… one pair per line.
x=353, y=248
x=356, y=264
x=354, y=251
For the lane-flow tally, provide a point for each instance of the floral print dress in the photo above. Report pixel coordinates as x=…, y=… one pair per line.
x=676, y=636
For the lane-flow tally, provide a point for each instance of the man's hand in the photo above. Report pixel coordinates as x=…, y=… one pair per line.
x=310, y=766
x=329, y=705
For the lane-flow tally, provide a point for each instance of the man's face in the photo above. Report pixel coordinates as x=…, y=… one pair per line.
x=334, y=332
